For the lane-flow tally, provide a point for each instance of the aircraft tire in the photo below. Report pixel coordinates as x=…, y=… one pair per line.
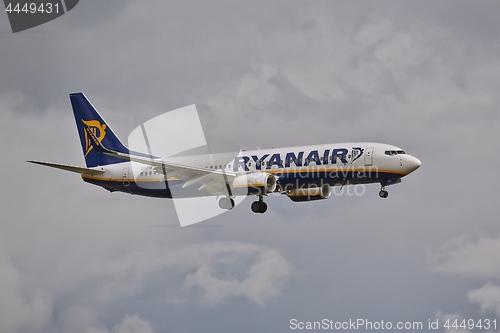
x=383, y=194
x=255, y=207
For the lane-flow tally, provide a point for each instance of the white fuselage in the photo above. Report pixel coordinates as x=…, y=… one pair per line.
x=293, y=167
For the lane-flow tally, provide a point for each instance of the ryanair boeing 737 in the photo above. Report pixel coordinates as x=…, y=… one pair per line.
x=301, y=173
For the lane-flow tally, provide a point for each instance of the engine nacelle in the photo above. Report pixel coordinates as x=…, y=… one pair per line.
x=254, y=183
x=309, y=194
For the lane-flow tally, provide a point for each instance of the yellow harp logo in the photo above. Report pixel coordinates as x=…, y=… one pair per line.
x=99, y=131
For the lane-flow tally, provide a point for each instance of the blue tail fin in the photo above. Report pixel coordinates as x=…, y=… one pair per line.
x=87, y=116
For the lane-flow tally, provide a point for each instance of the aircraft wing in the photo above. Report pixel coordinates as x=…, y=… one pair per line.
x=80, y=170
x=213, y=181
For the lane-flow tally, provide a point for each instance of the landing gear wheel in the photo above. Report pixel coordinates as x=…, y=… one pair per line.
x=383, y=194
x=255, y=207
x=226, y=203
x=259, y=206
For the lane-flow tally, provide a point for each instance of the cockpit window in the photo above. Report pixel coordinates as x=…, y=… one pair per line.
x=394, y=152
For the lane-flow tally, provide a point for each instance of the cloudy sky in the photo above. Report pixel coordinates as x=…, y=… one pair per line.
x=422, y=75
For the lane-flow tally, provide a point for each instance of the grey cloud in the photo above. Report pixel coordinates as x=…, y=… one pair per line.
x=133, y=324
x=86, y=320
x=22, y=309
x=469, y=258
x=487, y=297
x=78, y=319
x=221, y=270
x=421, y=75
x=262, y=279
x=473, y=259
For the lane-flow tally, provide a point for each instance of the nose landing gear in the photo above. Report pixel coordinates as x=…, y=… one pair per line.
x=383, y=193
x=385, y=182
x=259, y=206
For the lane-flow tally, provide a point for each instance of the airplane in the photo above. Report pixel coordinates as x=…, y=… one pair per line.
x=304, y=173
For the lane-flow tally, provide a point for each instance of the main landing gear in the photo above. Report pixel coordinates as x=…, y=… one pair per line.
x=383, y=193
x=259, y=206
x=226, y=203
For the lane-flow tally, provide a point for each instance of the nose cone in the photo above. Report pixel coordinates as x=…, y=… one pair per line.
x=412, y=163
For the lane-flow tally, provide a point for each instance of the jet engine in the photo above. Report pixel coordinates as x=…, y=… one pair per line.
x=310, y=193
x=257, y=183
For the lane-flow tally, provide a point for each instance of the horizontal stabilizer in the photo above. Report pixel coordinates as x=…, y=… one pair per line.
x=80, y=170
